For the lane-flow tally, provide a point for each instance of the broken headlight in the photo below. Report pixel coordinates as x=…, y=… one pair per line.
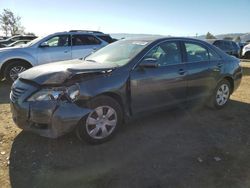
x=71, y=93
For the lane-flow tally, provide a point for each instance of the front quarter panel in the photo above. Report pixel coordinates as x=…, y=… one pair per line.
x=27, y=54
x=115, y=82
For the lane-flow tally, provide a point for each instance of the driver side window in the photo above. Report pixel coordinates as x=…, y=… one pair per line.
x=57, y=41
x=167, y=53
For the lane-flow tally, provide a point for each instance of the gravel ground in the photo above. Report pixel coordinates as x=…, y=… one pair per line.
x=196, y=147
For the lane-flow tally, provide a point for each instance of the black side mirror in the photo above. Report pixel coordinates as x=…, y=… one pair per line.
x=149, y=63
x=44, y=45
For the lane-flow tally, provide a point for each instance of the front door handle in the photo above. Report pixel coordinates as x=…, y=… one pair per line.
x=219, y=65
x=66, y=51
x=182, y=71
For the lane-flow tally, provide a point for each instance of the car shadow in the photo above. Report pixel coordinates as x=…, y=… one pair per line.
x=246, y=71
x=4, y=92
x=157, y=150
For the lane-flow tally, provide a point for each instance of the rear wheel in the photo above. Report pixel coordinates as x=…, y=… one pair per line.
x=13, y=69
x=102, y=123
x=221, y=95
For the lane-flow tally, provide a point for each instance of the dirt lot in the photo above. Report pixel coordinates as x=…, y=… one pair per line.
x=175, y=148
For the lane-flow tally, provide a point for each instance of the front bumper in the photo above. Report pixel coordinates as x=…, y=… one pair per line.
x=47, y=118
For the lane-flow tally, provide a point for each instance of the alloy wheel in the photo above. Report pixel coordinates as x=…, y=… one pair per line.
x=14, y=71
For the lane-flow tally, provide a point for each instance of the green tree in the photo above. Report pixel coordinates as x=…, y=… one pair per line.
x=10, y=23
x=210, y=36
x=237, y=39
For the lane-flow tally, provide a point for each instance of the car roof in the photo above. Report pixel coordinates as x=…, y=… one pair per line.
x=89, y=32
x=159, y=39
x=211, y=41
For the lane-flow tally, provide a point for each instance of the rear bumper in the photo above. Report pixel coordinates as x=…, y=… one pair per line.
x=47, y=118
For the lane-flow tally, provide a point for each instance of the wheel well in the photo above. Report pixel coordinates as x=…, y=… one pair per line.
x=12, y=60
x=116, y=97
x=231, y=81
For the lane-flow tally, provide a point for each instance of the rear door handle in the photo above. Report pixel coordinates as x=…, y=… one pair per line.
x=182, y=71
x=66, y=51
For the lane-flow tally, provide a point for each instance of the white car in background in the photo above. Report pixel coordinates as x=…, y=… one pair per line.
x=246, y=51
x=55, y=47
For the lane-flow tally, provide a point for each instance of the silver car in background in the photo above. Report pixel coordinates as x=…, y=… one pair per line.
x=55, y=47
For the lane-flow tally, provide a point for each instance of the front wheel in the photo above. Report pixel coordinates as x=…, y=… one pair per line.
x=221, y=95
x=14, y=69
x=102, y=123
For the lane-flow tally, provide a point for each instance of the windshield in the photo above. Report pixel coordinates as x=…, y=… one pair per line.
x=118, y=53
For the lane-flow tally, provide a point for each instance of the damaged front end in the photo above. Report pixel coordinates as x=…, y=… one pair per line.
x=44, y=99
x=47, y=111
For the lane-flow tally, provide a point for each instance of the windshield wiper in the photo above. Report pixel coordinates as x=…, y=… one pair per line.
x=91, y=60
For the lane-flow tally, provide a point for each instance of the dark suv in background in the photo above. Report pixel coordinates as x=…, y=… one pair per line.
x=230, y=47
x=106, y=37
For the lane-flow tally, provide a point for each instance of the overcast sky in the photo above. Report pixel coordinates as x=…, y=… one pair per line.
x=165, y=17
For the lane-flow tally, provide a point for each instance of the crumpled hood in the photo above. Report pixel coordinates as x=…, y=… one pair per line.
x=59, y=72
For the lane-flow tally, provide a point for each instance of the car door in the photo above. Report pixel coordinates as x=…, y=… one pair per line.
x=204, y=67
x=83, y=45
x=155, y=87
x=56, y=48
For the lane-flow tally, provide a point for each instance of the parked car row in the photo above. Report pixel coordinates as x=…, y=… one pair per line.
x=239, y=50
x=230, y=47
x=95, y=95
x=12, y=40
x=55, y=47
x=246, y=51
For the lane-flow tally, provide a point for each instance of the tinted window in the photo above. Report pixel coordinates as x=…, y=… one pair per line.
x=167, y=53
x=235, y=46
x=219, y=44
x=106, y=38
x=227, y=45
x=196, y=52
x=16, y=39
x=78, y=40
x=56, y=41
x=213, y=56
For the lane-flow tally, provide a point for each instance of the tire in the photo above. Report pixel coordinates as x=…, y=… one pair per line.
x=221, y=95
x=13, y=69
x=247, y=55
x=103, y=123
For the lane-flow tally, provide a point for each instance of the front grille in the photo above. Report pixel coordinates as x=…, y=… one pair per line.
x=16, y=93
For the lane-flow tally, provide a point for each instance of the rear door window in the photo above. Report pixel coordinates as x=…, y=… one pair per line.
x=196, y=52
x=79, y=40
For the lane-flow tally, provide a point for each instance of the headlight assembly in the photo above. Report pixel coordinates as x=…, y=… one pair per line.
x=71, y=93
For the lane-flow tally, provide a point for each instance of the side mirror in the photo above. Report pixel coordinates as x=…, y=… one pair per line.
x=44, y=45
x=149, y=63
